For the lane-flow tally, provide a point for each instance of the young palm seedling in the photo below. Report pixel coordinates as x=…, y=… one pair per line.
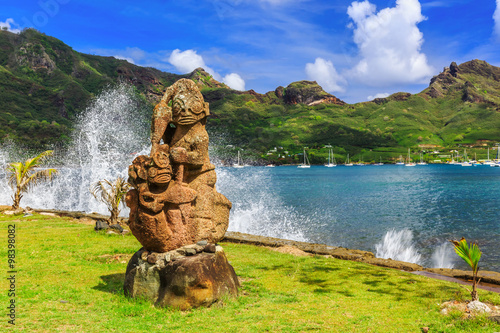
x=24, y=176
x=471, y=255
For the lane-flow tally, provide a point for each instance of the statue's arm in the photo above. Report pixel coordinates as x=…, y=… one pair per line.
x=162, y=116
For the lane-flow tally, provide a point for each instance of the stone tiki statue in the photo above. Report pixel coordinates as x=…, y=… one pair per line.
x=174, y=201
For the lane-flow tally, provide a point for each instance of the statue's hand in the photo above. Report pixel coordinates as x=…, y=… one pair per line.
x=154, y=147
x=179, y=155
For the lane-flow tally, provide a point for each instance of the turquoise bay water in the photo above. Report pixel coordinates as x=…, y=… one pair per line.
x=357, y=206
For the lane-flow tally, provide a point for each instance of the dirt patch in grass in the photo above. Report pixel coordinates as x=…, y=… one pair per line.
x=288, y=249
x=110, y=258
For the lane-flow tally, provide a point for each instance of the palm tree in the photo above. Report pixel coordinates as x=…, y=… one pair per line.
x=24, y=176
x=111, y=194
x=471, y=255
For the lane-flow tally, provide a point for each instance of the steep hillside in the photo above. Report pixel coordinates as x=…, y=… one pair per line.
x=44, y=85
x=461, y=106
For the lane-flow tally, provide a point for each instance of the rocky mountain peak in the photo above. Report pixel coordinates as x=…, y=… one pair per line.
x=307, y=92
x=204, y=79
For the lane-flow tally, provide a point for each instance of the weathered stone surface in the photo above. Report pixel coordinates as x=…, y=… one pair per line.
x=116, y=227
x=210, y=248
x=188, y=282
x=174, y=201
x=141, y=279
x=478, y=307
x=100, y=225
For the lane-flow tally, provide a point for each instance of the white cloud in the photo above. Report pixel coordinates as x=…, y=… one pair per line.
x=124, y=58
x=389, y=43
x=234, y=81
x=323, y=72
x=9, y=24
x=379, y=95
x=496, y=18
x=358, y=11
x=189, y=60
x=186, y=61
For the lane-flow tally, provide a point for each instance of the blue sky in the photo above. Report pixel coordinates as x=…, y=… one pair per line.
x=356, y=50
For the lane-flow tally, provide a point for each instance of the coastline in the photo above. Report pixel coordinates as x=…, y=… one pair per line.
x=490, y=280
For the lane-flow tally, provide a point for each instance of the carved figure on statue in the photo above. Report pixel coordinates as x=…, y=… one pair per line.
x=174, y=201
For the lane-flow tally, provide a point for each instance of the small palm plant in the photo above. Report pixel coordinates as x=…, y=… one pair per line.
x=24, y=176
x=111, y=194
x=471, y=255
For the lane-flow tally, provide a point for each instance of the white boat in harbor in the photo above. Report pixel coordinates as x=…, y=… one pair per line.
x=306, y=163
x=400, y=161
x=347, y=162
x=270, y=166
x=496, y=162
x=466, y=162
x=238, y=165
x=379, y=163
x=488, y=161
x=331, y=160
x=409, y=163
x=421, y=160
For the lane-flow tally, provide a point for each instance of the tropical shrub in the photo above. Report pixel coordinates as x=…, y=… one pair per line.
x=471, y=254
x=24, y=176
x=111, y=194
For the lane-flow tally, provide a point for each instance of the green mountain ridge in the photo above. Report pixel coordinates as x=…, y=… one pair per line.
x=45, y=84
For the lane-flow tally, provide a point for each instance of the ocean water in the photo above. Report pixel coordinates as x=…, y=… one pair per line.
x=394, y=211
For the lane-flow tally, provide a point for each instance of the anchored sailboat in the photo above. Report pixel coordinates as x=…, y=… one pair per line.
x=409, y=163
x=331, y=159
x=347, y=162
x=238, y=164
x=306, y=163
x=421, y=160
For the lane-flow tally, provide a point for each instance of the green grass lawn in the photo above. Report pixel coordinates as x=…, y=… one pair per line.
x=69, y=279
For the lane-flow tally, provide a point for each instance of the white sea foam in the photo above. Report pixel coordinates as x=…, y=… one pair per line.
x=442, y=257
x=256, y=208
x=398, y=245
x=108, y=135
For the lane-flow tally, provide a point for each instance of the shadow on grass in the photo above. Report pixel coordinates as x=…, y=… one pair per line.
x=112, y=283
x=325, y=269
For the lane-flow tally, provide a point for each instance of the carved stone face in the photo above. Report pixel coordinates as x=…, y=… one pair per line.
x=161, y=171
x=187, y=108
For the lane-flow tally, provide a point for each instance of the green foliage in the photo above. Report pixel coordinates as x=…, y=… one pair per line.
x=471, y=255
x=453, y=111
x=36, y=99
x=279, y=292
x=111, y=194
x=24, y=176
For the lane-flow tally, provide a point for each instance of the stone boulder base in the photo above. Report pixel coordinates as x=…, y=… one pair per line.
x=189, y=277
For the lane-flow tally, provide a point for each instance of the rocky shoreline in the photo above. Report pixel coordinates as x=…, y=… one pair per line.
x=487, y=277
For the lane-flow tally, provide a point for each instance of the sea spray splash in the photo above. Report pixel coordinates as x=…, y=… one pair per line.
x=398, y=245
x=256, y=208
x=442, y=256
x=107, y=137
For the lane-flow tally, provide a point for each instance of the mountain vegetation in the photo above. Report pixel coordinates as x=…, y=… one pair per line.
x=45, y=84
